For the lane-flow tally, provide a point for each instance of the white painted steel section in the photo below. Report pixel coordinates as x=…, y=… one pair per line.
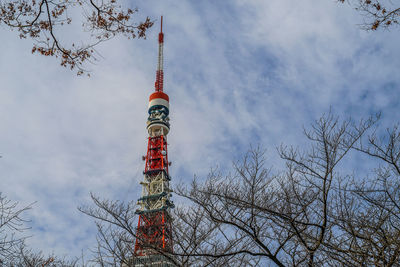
x=159, y=101
x=157, y=129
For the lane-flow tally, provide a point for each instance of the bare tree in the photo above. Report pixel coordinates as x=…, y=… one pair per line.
x=28, y=258
x=369, y=208
x=116, y=231
x=12, y=226
x=376, y=13
x=42, y=20
x=286, y=219
x=116, y=225
x=13, y=234
x=199, y=241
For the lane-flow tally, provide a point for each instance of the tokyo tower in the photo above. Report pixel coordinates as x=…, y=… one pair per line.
x=153, y=245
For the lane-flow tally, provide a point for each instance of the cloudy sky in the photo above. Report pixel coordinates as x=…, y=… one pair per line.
x=238, y=72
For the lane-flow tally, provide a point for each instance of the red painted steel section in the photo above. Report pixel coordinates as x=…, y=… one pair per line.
x=159, y=95
x=157, y=155
x=154, y=228
x=154, y=231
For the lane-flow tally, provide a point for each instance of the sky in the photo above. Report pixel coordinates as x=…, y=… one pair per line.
x=238, y=73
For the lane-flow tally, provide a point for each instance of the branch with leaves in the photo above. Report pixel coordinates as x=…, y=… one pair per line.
x=42, y=21
x=376, y=13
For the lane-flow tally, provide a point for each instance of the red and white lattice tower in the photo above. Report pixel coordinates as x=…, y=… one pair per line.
x=154, y=233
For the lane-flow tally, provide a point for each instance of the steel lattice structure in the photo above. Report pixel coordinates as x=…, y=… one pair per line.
x=154, y=232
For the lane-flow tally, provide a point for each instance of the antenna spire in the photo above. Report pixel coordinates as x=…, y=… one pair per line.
x=161, y=24
x=160, y=68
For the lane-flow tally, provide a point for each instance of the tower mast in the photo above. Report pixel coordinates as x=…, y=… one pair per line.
x=154, y=231
x=160, y=68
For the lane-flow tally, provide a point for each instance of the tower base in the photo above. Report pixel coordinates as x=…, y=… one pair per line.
x=150, y=261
